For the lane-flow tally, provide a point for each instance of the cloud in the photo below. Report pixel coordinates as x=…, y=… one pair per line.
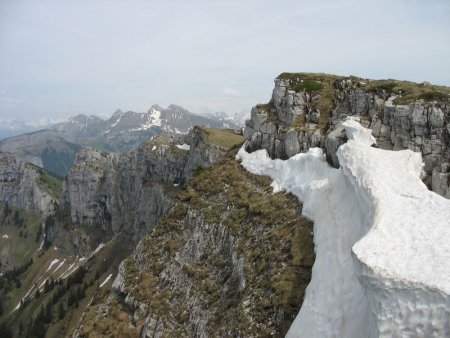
x=230, y=92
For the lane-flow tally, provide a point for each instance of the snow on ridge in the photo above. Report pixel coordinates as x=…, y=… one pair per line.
x=408, y=216
x=355, y=132
x=376, y=209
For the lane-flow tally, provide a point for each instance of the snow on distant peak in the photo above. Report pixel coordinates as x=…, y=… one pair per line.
x=382, y=259
x=154, y=118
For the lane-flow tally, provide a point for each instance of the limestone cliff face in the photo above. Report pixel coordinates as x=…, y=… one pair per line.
x=26, y=186
x=229, y=259
x=129, y=191
x=306, y=110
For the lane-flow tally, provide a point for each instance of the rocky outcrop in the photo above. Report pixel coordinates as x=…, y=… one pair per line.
x=129, y=191
x=26, y=186
x=229, y=259
x=306, y=110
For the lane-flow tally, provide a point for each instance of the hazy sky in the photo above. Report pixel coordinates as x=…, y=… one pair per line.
x=60, y=58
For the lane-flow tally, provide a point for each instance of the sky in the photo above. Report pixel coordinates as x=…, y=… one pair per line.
x=62, y=58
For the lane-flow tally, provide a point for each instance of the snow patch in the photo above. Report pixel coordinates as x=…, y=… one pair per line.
x=184, y=146
x=42, y=284
x=5, y=236
x=381, y=240
x=98, y=248
x=62, y=276
x=60, y=264
x=53, y=262
x=106, y=280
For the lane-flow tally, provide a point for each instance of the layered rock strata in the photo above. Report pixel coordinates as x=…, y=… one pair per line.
x=307, y=110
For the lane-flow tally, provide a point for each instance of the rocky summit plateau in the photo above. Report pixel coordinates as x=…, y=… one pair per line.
x=327, y=216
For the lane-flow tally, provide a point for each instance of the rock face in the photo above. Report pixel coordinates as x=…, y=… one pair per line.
x=306, y=110
x=229, y=259
x=129, y=191
x=26, y=186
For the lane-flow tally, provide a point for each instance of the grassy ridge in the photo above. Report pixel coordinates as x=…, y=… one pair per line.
x=224, y=138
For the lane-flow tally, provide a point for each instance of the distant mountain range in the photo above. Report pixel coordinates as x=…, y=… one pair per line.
x=125, y=130
x=12, y=126
x=89, y=125
x=54, y=147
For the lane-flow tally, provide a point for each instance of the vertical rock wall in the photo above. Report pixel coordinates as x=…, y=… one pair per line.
x=129, y=191
x=20, y=185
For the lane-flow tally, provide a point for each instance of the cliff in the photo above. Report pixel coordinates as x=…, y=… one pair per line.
x=27, y=186
x=307, y=110
x=129, y=191
x=230, y=258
